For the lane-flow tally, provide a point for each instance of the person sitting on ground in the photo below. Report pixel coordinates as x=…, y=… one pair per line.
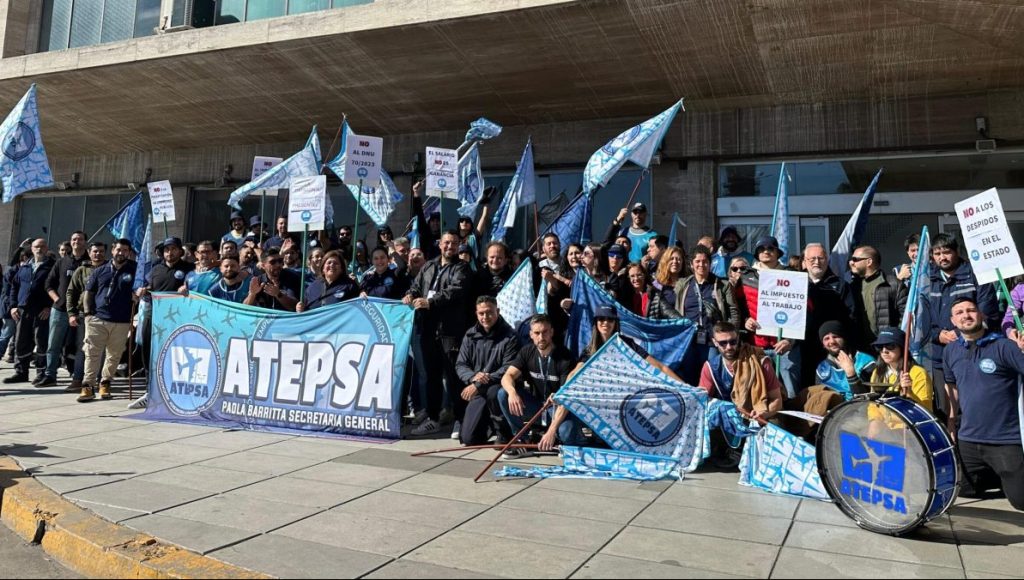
x=539, y=370
x=844, y=370
x=488, y=350
x=333, y=285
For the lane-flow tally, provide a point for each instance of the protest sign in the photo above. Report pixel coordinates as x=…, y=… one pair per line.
x=337, y=369
x=161, y=199
x=261, y=165
x=442, y=173
x=362, y=160
x=307, y=203
x=987, y=237
x=782, y=303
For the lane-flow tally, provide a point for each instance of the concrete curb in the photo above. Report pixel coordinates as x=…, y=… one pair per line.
x=92, y=546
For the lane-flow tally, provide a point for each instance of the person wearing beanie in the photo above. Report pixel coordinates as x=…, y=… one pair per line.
x=844, y=370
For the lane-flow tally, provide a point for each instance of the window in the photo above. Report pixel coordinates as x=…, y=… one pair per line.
x=55, y=217
x=75, y=23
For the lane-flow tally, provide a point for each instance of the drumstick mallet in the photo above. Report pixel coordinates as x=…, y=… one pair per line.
x=547, y=404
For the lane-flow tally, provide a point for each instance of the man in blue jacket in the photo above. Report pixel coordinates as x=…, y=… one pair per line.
x=30, y=308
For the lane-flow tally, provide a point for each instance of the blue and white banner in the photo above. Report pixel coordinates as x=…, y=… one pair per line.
x=779, y=462
x=305, y=163
x=332, y=370
x=916, y=322
x=780, y=217
x=666, y=340
x=591, y=463
x=574, y=225
x=377, y=201
x=853, y=233
x=471, y=181
x=127, y=223
x=515, y=299
x=636, y=144
x=482, y=129
x=673, y=235
x=23, y=166
x=521, y=192
x=633, y=407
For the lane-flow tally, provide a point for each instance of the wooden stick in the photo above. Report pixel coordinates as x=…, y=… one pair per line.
x=525, y=428
x=330, y=149
x=636, y=187
x=475, y=448
x=906, y=344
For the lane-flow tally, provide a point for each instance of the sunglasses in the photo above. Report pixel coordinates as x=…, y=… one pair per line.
x=856, y=259
x=602, y=319
x=736, y=269
x=730, y=342
x=889, y=347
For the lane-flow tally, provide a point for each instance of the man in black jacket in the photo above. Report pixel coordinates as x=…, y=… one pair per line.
x=879, y=297
x=831, y=300
x=57, y=287
x=488, y=349
x=30, y=309
x=439, y=295
x=496, y=272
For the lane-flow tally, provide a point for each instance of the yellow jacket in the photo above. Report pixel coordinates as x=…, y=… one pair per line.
x=921, y=391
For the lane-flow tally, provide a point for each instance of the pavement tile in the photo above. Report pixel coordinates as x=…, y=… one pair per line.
x=686, y=494
x=352, y=474
x=134, y=494
x=608, y=488
x=459, y=488
x=577, y=505
x=32, y=455
x=971, y=574
x=467, y=551
x=196, y=536
x=179, y=450
x=304, y=559
x=391, y=460
x=167, y=431
x=302, y=447
x=693, y=551
x=112, y=442
x=727, y=480
x=858, y=542
x=304, y=492
x=822, y=512
x=993, y=559
x=588, y=535
x=256, y=462
x=412, y=508
x=988, y=522
x=712, y=522
x=63, y=480
x=245, y=513
x=236, y=440
x=110, y=513
x=124, y=465
x=402, y=568
x=204, y=478
x=361, y=532
x=418, y=445
x=797, y=563
x=615, y=567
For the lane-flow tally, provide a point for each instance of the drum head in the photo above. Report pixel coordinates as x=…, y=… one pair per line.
x=875, y=467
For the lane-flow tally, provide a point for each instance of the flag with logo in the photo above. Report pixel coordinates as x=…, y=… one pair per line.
x=853, y=233
x=145, y=264
x=666, y=340
x=412, y=230
x=780, y=217
x=522, y=187
x=482, y=129
x=305, y=163
x=777, y=461
x=916, y=321
x=574, y=225
x=127, y=223
x=471, y=181
x=23, y=165
x=377, y=201
x=637, y=144
x=515, y=299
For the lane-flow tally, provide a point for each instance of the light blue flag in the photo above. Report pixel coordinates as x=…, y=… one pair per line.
x=412, y=230
x=523, y=186
x=145, y=257
x=918, y=326
x=591, y=463
x=542, y=298
x=636, y=144
x=305, y=163
x=853, y=233
x=673, y=236
x=573, y=226
x=471, y=181
x=482, y=129
x=666, y=340
x=779, y=462
x=23, y=165
x=780, y=217
x=378, y=201
x=633, y=407
x=515, y=299
x=127, y=223
x=414, y=234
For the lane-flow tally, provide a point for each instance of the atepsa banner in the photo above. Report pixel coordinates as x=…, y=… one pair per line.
x=332, y=370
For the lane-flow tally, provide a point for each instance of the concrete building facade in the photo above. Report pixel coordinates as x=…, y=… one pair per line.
x=932, y=90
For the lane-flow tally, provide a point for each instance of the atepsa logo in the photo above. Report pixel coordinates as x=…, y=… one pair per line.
x=653, y=417
x=873, y=471
x=188, y=371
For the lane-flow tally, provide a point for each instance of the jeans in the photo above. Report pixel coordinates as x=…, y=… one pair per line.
x=31, y=343
x=991, y=466
x=570, y=432
x=789, y=371
x=58, y=335
x=7, y=335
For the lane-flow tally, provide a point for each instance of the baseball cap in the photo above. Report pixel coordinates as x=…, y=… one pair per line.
x=617, y=250
x=767, y=242
x=171, y=242
x=889, y=336
x=605, y=311
x=639, y=207
x=254, y=221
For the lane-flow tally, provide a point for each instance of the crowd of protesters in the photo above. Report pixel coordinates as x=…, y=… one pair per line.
x=477, y=378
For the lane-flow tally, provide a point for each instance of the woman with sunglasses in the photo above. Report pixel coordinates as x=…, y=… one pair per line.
x=606, y=325
x=914, y=382
x=593, y=264
x=332, y=287
x=736, y=268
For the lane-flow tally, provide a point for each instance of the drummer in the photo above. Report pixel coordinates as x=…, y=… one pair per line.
x=913, y=383
x=983, y=369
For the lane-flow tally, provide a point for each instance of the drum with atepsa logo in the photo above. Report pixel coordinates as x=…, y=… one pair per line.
x=887, y=463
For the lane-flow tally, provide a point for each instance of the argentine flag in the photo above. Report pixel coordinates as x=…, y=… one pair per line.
x=305, y=163
x=23, y=165
x=471, y=181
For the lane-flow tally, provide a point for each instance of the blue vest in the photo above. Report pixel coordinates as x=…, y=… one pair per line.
x=834, y=377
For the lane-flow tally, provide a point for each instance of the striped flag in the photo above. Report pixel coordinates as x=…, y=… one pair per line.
x=673, y=236
x=515, y=299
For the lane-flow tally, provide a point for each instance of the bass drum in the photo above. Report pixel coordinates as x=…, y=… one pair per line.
x=888, y=464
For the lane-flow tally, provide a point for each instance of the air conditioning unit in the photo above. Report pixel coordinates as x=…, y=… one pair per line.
x=189, y=14
x=985, y=145
x=175, y=28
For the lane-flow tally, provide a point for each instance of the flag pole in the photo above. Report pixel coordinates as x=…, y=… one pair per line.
x=302, y=280
x=263, y=201
x=778, y=357
x=166, y=235
x=107, y=223
x=636, y=187
x=512, y=441
x=1009, y=301
x=323, y=162
x=560, y=215
x=536, y=218
x=906, y=342
x=355, y=227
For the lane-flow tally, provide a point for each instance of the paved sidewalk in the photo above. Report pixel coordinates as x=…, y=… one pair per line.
x=310, y=507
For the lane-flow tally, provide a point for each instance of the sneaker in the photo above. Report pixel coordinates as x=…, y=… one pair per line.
x=87, y=395
x=428, y=427
x=517, y=453
x=447, y=417
x=420, y=417
x=46, y=382
x=455, y=430
x=140, y=403
x=74, y=386
x=105, y=392
x=18, y=378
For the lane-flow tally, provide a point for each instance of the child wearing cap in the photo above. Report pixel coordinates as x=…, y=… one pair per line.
x=914, y=382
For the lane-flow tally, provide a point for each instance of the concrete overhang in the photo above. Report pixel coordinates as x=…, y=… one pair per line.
x=414, y=66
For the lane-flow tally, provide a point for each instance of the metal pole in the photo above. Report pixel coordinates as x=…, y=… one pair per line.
x=355, y=227
x=302, y=279
x=263, y=201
